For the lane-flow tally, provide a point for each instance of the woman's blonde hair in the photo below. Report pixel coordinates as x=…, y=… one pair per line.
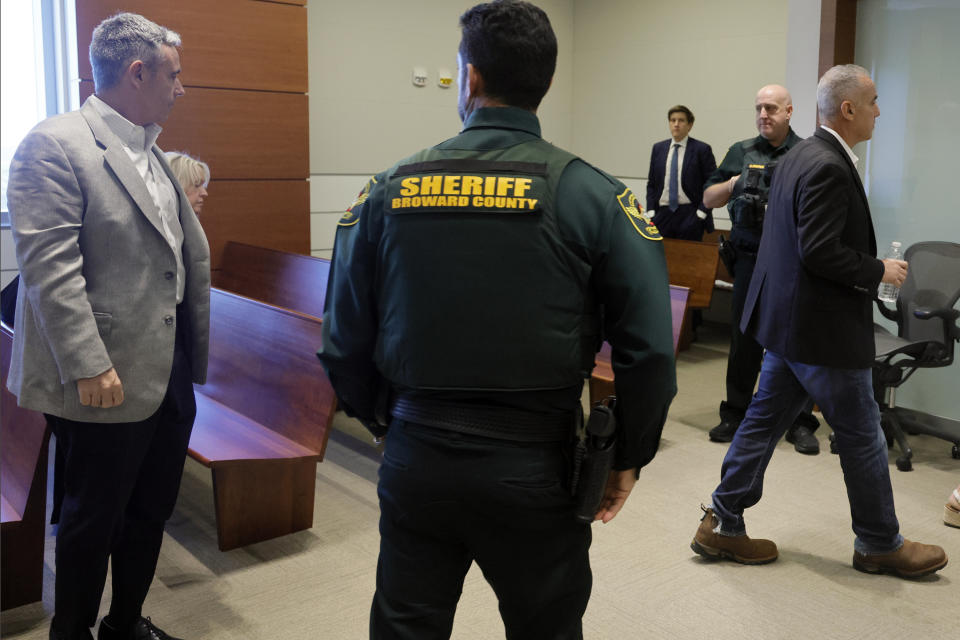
x=189, y=171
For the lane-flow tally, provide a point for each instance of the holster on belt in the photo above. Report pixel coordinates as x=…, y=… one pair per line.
x=381, y=419
x=728, y=254
x=593, y=459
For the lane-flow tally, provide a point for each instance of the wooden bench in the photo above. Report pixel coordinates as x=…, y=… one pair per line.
x=280, y=278
x=24, y=440
x=692, y=265
x=263, y=418
x=601, y=380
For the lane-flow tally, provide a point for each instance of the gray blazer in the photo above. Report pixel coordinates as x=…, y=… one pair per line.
x=97, y=276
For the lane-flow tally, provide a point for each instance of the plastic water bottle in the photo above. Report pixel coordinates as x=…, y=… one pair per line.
x=888, y=292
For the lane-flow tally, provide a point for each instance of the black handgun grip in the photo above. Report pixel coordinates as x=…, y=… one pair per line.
x=376, y=429
x=598, y=446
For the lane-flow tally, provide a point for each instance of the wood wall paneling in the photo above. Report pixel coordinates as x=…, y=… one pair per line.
x=240, y=134
x=244, y=113
x=264, y=213
x=838, y=30
x=240, y=44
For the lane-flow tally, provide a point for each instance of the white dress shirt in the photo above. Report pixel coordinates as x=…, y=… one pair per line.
x=138, y=143
x=853, y=158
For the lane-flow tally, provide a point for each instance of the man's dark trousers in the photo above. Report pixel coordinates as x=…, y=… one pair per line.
x=743, y=362
x=682, y=224
x=120, y=486
x=448, y=499
x=746, y=354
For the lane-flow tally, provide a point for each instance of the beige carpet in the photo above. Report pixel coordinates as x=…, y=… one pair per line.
x=647, y=582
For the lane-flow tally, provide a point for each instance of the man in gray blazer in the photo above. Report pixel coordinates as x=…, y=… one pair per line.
x=112, y=321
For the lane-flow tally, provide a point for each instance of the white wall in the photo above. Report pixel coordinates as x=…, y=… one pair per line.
x=365, y=114
x=911, y=47
x=803, y=63
x=619, y=70
x=634, y=59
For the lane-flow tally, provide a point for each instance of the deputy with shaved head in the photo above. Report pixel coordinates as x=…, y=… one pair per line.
x=742, y=182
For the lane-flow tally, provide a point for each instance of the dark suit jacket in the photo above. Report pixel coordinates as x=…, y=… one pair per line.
x=698, y=164
x=810, y=299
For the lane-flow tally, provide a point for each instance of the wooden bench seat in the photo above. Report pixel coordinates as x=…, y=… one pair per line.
x=692, y=265
x=263, y=418
x=601, y=380
x=237, y=437
x=280, y=278
x=8, y=512
x=24, y=442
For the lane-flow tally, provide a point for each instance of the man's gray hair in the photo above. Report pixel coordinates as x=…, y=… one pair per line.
x=120, y=40
x=839, y=83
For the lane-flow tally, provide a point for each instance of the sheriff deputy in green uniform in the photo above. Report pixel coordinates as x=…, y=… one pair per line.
x=742, y=182
x=466, y=288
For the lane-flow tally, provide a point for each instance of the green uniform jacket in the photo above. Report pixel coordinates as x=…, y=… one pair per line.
x=740, y=154
x=472, y=303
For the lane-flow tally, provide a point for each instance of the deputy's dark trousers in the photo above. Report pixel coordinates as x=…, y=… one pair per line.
x=449, y=499
x=120, y=487
x=746, y=354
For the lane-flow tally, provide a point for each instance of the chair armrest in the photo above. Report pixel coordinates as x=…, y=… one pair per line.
x=887, y=313
x=925, y=313
x=948, y=314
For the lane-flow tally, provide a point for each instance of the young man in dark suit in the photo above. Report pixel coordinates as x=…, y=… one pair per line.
x=810, y=305
x=676, y=199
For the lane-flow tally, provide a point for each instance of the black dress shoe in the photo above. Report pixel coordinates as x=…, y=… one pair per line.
x=144, y=629
x=62, y=635
x=803, y=441
x=724, y=431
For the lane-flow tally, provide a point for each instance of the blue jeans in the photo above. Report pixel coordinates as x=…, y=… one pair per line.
x=846, y=399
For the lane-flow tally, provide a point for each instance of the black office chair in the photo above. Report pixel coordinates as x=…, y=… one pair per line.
x=927, y=328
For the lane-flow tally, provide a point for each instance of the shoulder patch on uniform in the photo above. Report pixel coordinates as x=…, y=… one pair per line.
x=351, y=217
x=631, y=207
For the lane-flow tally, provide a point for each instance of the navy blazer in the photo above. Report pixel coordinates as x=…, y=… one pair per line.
x=698, y=164
x=810, y=299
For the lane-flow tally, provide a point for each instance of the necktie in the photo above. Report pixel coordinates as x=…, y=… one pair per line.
x=674, y=178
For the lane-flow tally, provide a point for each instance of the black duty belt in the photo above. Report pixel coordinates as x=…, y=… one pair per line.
x=500, y=423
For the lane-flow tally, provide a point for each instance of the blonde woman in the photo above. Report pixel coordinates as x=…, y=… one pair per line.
x=193, y=175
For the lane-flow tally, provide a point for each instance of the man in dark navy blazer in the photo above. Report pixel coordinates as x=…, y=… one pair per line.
x=810, y=305
x=686, y=218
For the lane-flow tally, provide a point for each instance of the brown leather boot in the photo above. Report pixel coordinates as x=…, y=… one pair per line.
x=912, y=560
x=740, y=549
